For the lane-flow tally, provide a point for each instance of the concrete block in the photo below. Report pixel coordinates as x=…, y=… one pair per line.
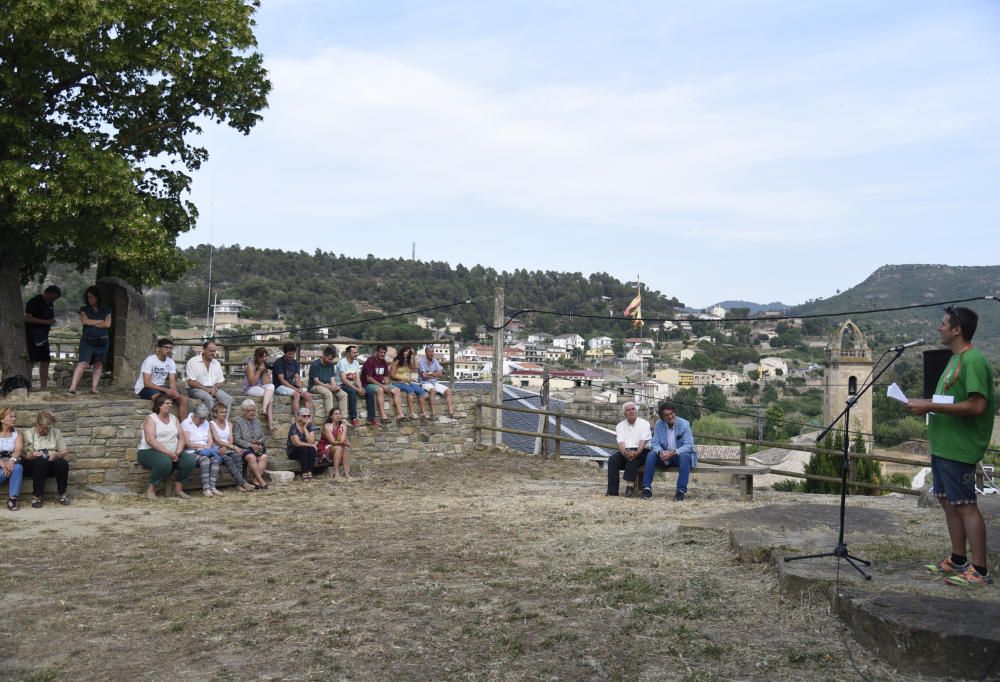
x=281, y=477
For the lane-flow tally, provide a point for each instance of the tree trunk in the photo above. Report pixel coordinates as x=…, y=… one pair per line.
x=13, y=349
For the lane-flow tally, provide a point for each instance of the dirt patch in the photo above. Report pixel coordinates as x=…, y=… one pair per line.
x=487, y=567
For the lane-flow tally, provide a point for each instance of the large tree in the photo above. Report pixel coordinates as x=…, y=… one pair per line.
x=99, y=103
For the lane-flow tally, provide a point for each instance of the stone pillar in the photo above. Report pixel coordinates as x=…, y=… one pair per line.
x=133, y=334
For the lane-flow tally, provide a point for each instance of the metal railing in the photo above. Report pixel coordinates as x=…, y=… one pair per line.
x=484, y=425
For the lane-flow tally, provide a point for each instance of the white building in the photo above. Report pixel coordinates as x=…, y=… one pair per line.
x=568, y=341
x=772, y=367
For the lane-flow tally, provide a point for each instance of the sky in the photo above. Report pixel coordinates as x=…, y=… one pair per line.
x=758, y=150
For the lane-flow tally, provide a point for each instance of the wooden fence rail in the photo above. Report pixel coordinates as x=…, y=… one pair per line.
x=744, y=444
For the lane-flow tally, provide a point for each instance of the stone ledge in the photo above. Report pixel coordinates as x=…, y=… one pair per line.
x=954, y=638
x=103, y=432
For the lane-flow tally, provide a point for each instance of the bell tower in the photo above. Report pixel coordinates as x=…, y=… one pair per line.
x=848, y=363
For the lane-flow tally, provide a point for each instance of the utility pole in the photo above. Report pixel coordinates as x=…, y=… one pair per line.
x=541, y=442
x=498, y=363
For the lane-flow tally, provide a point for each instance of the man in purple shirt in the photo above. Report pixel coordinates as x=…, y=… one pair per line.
x=375, y=377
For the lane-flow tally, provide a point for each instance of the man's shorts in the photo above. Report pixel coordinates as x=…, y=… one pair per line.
x=148, y=393
x=436, y=387
x=39, y=353
x=953, y=480
x=284, y=390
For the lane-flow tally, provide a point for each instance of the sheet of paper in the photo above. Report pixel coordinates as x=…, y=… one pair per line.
x=896, y=393
x=942, y=400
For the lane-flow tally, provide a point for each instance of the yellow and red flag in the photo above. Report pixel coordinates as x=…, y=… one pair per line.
x=634, y=310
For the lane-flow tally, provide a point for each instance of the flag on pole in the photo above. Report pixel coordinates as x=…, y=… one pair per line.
x=634, y=310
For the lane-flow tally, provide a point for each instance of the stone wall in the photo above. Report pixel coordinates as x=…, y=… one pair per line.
x=102, y=435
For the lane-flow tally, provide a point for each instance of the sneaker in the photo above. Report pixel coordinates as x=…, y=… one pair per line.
x=679, y=497
x=647, y=493
x=969, y=577
x=355, y=422
x=207, y=492
x=374, y=422
x=216, y=492
x=611, y=494
x=36, y=504
x=630, y=491
x=947, y=566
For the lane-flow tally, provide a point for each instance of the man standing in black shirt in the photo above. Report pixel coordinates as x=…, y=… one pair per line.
x=39, y=316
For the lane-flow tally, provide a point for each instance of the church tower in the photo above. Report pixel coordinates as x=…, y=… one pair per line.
x=848, y=363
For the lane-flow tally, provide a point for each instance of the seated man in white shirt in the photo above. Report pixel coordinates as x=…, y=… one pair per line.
x=158, y=374
x=633, y=436
x=205, y=378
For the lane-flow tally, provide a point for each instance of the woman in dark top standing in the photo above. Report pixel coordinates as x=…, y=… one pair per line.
x=96, y=320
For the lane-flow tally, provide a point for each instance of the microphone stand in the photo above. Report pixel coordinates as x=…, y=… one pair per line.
x=840, y=551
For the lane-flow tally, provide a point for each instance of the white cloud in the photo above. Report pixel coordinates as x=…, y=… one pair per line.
x=778, y=152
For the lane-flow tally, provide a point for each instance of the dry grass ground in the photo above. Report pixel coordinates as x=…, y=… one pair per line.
x=482, y=568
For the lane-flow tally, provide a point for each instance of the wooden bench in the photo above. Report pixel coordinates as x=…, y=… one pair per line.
x=744, y=474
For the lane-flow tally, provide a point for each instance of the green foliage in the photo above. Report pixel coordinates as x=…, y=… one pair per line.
x=893, y=432
x=747, y=388
x=866, y=470
x=789, y=486
x=99, y=104
x=787, y=337
x=699, y=362
x=822, y=465
x=774, y=418
x=688, y=403
x=769, y=394
x=713, y=425
x=899, y=480
x=713, y=398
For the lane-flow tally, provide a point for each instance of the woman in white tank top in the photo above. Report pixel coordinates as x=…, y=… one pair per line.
x=222, y=435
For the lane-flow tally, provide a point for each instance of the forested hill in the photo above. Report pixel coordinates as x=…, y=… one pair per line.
x=900, y=285
x=322, y=288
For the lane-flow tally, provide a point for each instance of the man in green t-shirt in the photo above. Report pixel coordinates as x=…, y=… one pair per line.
x=323, y=381
x=960, y=433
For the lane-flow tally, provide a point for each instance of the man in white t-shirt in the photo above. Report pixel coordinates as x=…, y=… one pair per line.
x=633, y=436
x=431, y=372
x=158, y=374
x=349, y=372
x=205, y=378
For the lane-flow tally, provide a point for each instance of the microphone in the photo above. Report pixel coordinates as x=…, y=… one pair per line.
x=908, y=344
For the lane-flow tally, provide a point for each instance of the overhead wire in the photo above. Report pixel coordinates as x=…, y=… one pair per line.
x=689, y=318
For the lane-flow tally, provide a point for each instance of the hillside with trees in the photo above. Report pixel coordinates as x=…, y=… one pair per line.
x=322, y=288
x=894, y=286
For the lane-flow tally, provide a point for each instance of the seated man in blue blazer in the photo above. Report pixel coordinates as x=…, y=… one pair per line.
x=672, y=446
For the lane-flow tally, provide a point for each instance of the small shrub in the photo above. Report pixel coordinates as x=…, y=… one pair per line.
x=789, y=486
x=899, y=480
